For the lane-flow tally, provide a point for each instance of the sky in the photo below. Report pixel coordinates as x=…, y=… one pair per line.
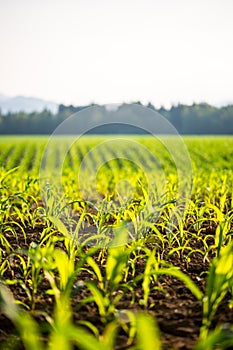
x=113, y=51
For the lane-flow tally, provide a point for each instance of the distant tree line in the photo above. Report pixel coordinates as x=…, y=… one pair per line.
x=195, y=119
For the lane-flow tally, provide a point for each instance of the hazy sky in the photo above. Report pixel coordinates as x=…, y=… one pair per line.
x=110, y=51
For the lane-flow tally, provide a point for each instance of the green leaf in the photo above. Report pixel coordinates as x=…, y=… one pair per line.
x=86, y=341
x=59, y=225
x=184, y=278
x=99, y=299
x=147, y=333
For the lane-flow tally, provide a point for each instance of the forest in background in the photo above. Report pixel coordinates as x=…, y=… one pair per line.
x=197, y=119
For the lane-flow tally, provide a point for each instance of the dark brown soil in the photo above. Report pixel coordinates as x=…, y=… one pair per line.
x=178, y=313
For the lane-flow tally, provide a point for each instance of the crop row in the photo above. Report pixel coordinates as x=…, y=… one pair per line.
x=96, y=237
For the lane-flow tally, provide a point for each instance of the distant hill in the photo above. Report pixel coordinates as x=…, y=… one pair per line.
x=25, y=104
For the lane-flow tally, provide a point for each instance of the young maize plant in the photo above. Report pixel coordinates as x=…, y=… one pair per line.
x=219, y=282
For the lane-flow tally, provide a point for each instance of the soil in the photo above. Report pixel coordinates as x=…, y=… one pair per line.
x=177, y=311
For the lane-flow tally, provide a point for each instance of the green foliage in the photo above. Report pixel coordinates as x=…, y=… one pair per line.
x=147, y=333
x=196, y=119
x=219, y=282
x=122, y=240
